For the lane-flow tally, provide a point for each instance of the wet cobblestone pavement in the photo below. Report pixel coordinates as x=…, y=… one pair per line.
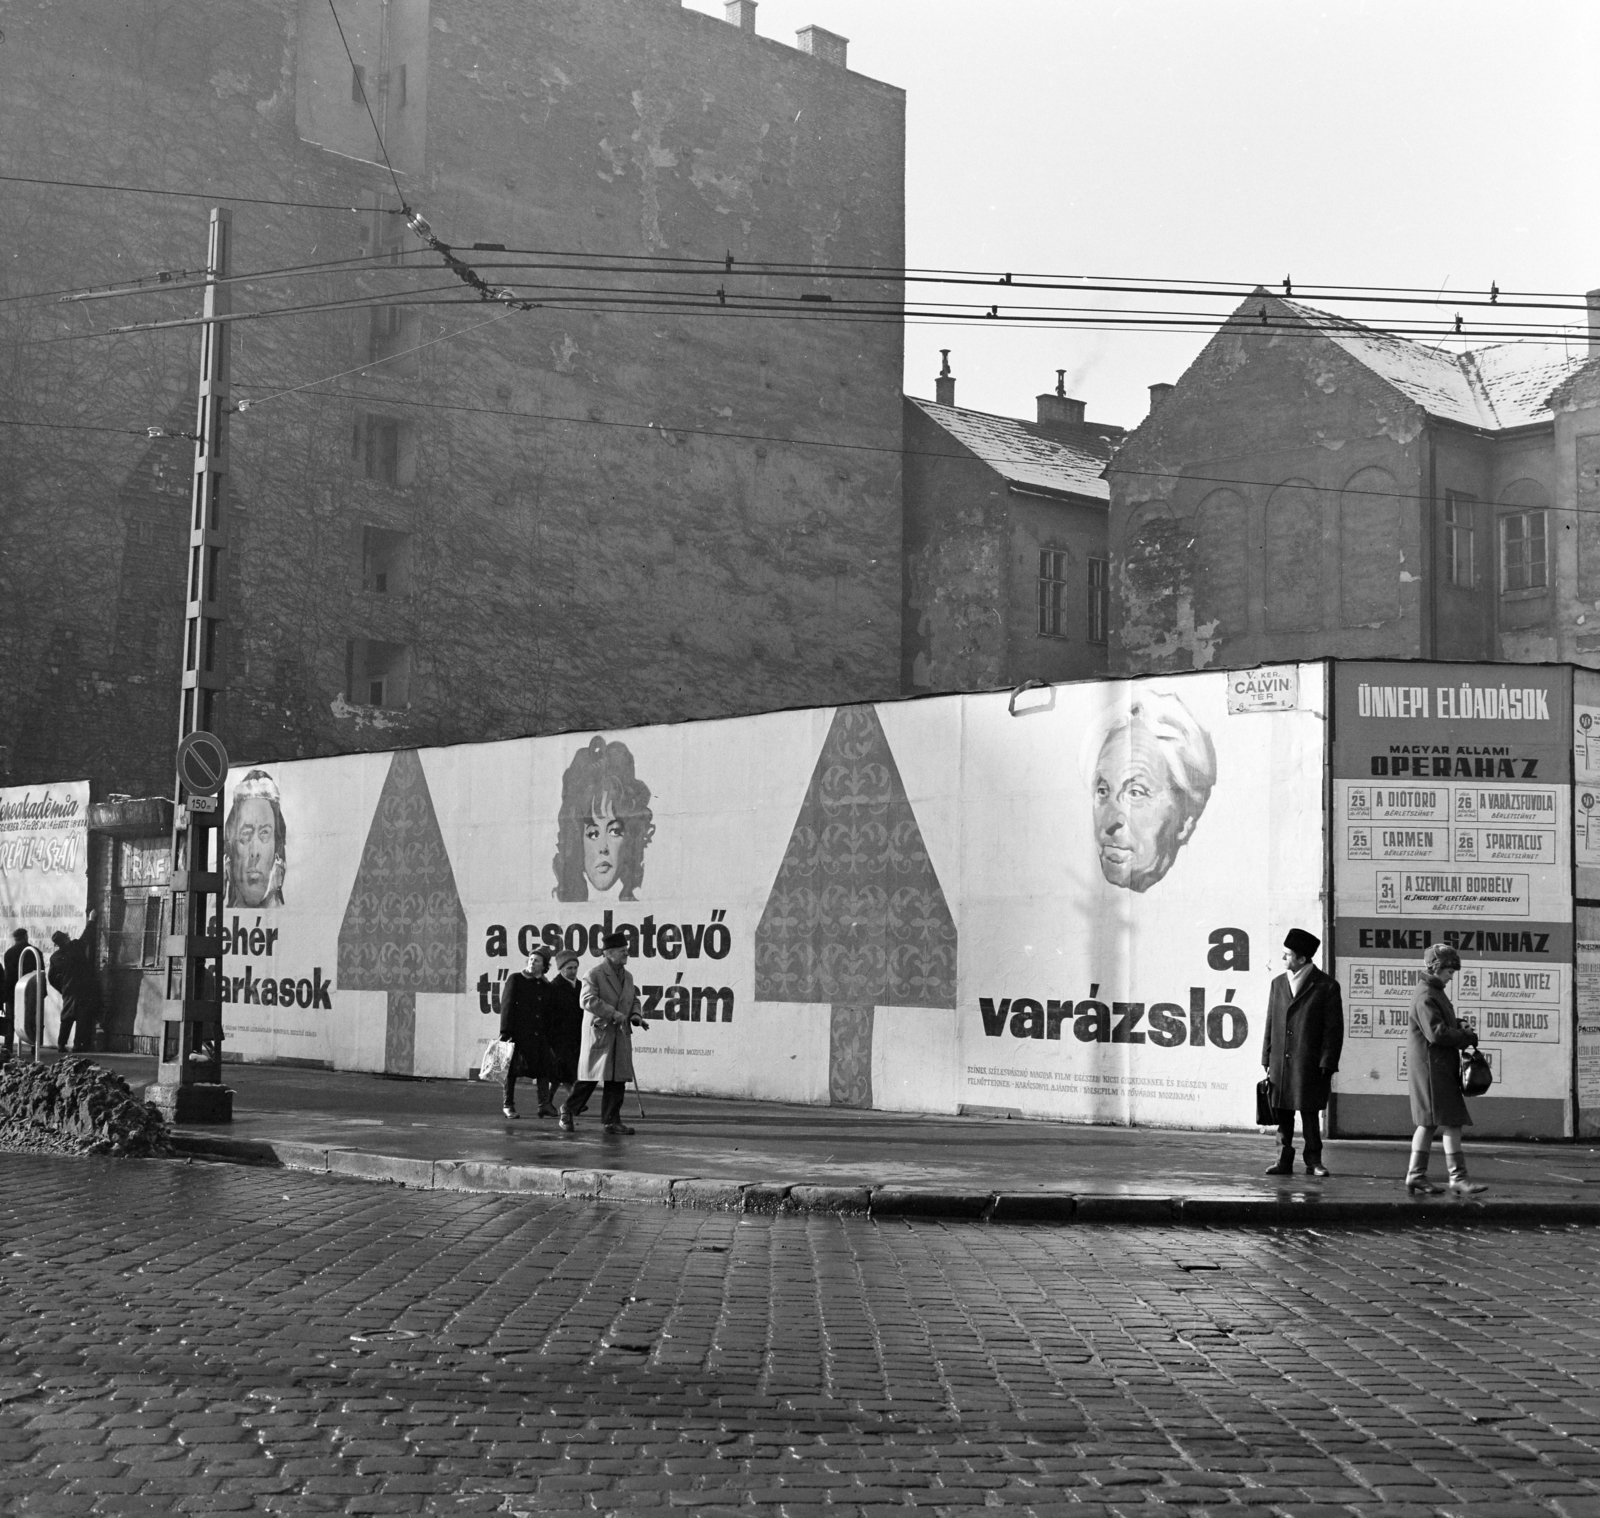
x=190, y=1338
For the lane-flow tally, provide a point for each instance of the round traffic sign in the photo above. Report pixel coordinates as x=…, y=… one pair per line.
x=202, y=764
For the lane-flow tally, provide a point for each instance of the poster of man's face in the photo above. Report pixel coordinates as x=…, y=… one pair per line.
x=1150, y=771
x=254, y=844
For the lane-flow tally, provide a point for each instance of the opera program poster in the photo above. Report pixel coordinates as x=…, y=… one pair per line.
x=1452, y=795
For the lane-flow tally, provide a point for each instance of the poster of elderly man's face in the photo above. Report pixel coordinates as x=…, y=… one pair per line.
x=255, y=851
x=1150, y=769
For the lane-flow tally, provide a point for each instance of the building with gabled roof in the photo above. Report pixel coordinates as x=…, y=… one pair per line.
x=1006, y=572
x=1312, y=486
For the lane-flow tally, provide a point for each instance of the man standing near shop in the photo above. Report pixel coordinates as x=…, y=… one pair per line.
x=610, y=1011
x=1305, y=1032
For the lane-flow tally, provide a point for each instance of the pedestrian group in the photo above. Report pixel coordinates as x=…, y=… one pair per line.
x=572, y=1033
x=1300, y=1053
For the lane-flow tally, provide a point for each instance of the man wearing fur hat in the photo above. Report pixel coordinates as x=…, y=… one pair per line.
x=1305, y=1032
x=610, y=1012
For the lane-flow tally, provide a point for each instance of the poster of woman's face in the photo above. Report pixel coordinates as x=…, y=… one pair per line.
x=605, y=825
x=254, y=844
x=1150, y=772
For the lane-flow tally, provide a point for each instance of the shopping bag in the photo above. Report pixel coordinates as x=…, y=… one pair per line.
x=1266, y=1112
x=496, y=1057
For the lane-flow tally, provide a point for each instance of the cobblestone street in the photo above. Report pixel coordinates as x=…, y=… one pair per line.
x=202, y=1338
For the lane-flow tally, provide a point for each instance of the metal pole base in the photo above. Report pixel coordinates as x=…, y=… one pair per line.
x=191, y=1104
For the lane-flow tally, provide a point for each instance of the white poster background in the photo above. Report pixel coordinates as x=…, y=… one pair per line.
x=44, y=868
x=1006, y=818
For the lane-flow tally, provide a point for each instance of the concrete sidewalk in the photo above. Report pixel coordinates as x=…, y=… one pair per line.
x=698, y=1151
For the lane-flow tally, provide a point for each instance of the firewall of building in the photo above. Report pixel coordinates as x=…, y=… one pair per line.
x=450, y=521
x=1312, y=487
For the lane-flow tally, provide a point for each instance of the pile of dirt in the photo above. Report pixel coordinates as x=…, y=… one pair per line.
x=75, y=1107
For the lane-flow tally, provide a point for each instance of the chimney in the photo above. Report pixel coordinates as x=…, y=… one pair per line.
x=1593, y=299
x=740, y=13
x=944, y=387
x=1060, y=410
x=1159, y=393
x=820, y=43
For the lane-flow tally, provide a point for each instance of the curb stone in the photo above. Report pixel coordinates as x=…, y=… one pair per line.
x=1303, y=1210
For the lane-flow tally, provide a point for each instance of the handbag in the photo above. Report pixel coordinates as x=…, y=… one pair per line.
x=1266, y=1108
x=496, y=1057
x=1476, y=1074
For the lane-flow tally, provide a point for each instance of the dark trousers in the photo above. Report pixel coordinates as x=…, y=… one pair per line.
x=610, y=1100
x=1310, y=1128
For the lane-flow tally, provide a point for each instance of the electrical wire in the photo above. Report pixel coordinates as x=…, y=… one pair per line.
x=359, y=75
x=134, y=189
x=256, y=403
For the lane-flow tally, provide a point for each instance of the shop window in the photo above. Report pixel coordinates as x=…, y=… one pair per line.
x=1524, y=564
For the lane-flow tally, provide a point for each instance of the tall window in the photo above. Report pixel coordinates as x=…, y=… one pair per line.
x=358, y=81
x=1458, y=539
x=1052, y=592
x=1523, y=561
x=1099, y=599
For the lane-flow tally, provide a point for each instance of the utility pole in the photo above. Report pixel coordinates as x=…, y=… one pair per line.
x=188, y=1085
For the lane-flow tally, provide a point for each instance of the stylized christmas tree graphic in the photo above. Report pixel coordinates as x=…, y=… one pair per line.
x=404, y=927
x=856, y=917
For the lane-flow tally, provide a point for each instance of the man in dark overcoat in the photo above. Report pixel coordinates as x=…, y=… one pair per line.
x=1305, y=1032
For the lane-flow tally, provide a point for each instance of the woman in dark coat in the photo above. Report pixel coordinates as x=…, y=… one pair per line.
x=522, y=1000
x=1434, y=1060
x=563, y=1030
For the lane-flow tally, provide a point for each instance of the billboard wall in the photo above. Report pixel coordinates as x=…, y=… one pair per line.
x=1065, y=906
x=1452, y=789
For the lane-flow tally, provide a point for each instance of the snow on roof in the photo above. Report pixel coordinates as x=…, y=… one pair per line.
x=1507, y=385
x=1027, y=455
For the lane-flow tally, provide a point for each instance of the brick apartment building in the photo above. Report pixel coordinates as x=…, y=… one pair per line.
x=579, y=515
x=1313, y=487
x=1007, y=575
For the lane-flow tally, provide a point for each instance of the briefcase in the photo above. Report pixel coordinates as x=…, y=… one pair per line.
x=1266, y=1109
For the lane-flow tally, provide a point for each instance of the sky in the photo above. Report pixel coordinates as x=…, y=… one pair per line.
x=1436, y=146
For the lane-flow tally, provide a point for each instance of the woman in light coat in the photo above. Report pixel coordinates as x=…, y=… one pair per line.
x=1434, y=1060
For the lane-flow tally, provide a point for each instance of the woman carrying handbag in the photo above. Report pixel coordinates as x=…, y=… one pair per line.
x=1438, y=1038
x=522, y=998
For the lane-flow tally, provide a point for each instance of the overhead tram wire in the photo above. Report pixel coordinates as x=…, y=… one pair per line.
x=133, y=189
x=1153, y=284
x=666, y=428
x=646, y=304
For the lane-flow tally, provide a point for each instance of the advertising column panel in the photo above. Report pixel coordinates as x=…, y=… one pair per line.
x=44, y=871
x=1586, y=877
x=1452, y=789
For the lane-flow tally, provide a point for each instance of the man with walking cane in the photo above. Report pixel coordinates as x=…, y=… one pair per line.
x=611, y=1012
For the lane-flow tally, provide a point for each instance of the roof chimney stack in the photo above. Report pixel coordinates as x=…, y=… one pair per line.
x=740, y=13
x=1060, y=410
x=1593, y=299
x=829, y=46
x=944, y=387
x=1159, y=393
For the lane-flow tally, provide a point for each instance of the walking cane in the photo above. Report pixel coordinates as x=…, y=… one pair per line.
x=639, y=1094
